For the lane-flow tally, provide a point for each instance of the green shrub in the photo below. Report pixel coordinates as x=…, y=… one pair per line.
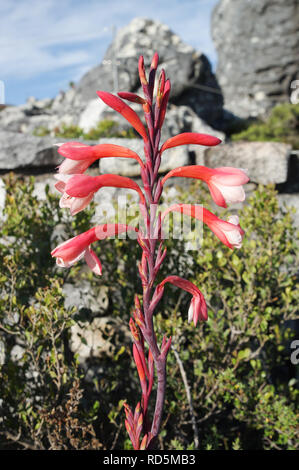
x=105, y=128
x=108, y=128
x=68, y=132
x=282, y=125
x=237, y=365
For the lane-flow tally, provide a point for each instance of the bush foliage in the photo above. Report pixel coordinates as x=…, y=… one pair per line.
x=105, y=128
x=282, y=125
x=235, y=368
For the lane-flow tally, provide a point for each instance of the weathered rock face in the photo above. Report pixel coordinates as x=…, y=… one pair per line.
x=265, y=162
x=18, y=150
x=82, y=296
x=186, y=68
x=48, y=114
x=258, y=52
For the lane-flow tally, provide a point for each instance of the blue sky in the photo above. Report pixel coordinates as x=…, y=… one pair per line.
x=45, y=44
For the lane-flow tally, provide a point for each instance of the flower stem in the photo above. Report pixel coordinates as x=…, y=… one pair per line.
x=161, y=375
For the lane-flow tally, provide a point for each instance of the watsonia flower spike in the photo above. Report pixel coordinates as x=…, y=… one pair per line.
x=77, y=190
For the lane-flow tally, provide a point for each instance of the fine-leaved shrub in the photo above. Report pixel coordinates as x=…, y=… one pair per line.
x=231, y=384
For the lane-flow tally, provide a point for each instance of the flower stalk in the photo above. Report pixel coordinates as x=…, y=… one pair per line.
x=77, y=190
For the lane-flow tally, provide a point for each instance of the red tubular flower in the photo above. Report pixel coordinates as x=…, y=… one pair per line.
x=82, y=152
x=140, y=370
x=84, y=186
x=229, y=233
x=73, y=203
x=225, y=183
x=128, y=113
x=198, y=307
x=85, y=155
x=74, y=249
x=190, y=138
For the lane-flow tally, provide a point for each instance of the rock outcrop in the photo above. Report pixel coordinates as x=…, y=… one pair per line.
x=188, y=69
x=265, y=162
x=258, y=52
x=18, y=151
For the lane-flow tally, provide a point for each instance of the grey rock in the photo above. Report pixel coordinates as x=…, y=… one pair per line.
x=13, y=118
x=290, y=200
x=17, y=353
x=266, y=162
x=83, y=296
x=92, y=114
x=183, y=119
x=40, y=186
x=188, y=69
x=35, y=107
x=174, y=157
x=21, y=150
x=59, y=235
x=120, y=203
x=89, y=339
x=258, y=52
x=120, y=166
x=13, y=317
